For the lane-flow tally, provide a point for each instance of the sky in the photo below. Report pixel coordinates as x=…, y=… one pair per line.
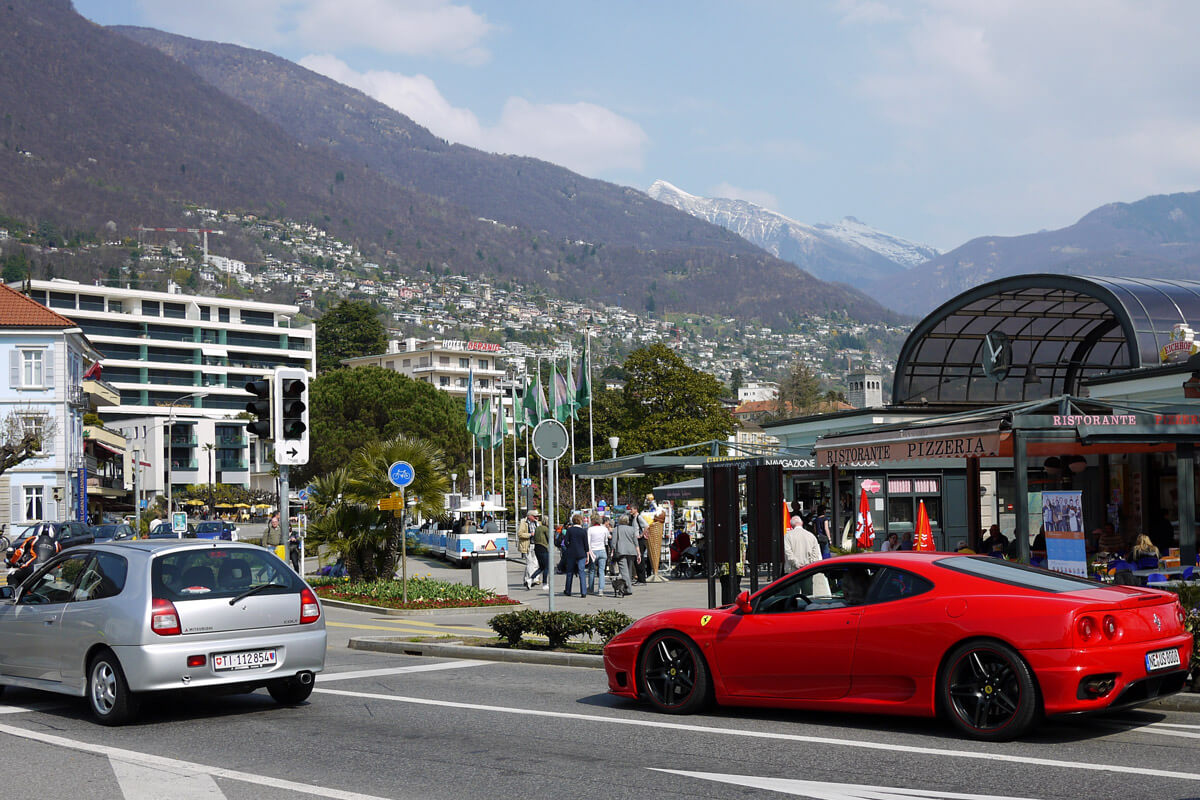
x=935, y=120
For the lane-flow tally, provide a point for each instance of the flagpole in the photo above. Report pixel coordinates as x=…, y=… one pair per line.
x=591, y=406
x=503, y=436
x=492, y=448
x=516, y=471
x=571, y=401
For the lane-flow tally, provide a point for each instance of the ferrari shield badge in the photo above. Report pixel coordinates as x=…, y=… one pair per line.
x=704, y=620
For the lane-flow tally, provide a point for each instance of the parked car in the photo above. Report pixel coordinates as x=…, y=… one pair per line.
x=112, y=532
x=163, y=530
x=216, y=529
x=989, y=644
x=116, y=622
x=69, y=533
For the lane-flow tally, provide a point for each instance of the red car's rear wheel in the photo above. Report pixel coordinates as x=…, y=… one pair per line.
x=672, y=674
x=988, y=691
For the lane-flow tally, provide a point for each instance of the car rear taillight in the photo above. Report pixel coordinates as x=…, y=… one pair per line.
x=1110, y=627
x=1087, y=628
x=164, y=619
x=310, y=609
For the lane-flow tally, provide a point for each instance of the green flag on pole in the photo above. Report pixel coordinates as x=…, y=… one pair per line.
x=583, y=384
x=528, y=404
x=500, y=430
x=543, y=409
x=483, y=423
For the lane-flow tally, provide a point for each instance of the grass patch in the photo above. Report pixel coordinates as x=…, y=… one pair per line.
x=423, y=593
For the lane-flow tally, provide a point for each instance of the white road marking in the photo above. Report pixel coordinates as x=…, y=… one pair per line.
x=788, y=737
x=184, y=767
x=831, y=791
x=326, y=677
x=140, y=782
x=23, y=709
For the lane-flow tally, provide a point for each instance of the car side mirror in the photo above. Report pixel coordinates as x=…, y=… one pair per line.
x=8, y=592
x=742, y=602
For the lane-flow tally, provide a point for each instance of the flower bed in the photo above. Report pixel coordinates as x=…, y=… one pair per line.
x=422, y=593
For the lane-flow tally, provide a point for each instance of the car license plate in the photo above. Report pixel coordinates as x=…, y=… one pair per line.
x=1162, y=659
x=247, y=659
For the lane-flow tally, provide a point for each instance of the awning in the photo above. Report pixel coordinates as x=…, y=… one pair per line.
x=107, y=449
x=684, y=490
x=968, y=440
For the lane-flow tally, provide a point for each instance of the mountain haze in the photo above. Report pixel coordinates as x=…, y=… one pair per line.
x=846, y=251
x=1157, y=236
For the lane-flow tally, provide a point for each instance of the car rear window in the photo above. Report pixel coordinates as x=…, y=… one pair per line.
x=219, y=572
x=995, y=569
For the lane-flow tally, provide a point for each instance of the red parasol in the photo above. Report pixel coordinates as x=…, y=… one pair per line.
x=924, y=537
x=864, y=532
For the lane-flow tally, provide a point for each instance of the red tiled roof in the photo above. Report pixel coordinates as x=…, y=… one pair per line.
x=19, y=311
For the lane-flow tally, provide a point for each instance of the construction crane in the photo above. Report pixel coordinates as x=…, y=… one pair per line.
x=204, y=232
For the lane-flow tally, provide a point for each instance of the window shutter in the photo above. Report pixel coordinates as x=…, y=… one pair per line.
x=49, y=367
x=14, y=368
x=18, y=499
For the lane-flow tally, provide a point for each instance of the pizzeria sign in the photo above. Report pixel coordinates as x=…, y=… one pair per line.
x=910, y=449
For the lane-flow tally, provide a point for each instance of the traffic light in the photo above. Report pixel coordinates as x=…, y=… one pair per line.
x=291, y=415
x=260, y=407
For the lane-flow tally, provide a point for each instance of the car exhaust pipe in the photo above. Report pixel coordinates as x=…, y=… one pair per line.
x=305, y=678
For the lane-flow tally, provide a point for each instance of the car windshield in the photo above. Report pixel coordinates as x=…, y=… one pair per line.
x=208, y=527
x=1001, y=571
x=23, y=532
x=213, y=572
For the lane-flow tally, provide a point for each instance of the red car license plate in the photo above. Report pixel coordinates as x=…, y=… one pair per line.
x=1162, y=659
x=247, y=659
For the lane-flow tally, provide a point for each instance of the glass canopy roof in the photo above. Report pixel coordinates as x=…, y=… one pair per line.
x=1036, y=336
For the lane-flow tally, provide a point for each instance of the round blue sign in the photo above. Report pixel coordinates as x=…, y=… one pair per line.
x=401, y=474
x=304, y=494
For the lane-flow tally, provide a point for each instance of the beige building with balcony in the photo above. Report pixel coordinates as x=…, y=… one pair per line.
x=447, y=364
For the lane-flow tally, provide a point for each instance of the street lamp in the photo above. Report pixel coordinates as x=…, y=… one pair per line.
x=471, y=476
x=521, y=462
x=453, y=483
x=170, y=433
x=613, y=441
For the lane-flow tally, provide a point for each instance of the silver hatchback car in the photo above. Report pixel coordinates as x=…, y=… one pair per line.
x=112, y=622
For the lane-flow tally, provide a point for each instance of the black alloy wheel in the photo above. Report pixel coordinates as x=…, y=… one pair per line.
x=672, y=674
x=988, y=691
x=109, y=698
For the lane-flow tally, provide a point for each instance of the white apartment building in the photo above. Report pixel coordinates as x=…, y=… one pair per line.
x=757, y=391
x=180, y=363
x=445, y=363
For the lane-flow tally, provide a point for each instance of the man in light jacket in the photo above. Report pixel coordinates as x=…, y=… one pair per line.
x=800, y=547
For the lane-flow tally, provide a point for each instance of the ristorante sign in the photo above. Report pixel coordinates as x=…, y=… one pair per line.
x=902, y=449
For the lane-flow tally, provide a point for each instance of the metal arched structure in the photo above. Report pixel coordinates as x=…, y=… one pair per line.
x=1062, y=329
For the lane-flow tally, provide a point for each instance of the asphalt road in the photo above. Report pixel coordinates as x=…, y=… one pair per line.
x=401, y=727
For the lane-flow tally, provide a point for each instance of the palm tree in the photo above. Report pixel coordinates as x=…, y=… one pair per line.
x=367, y=482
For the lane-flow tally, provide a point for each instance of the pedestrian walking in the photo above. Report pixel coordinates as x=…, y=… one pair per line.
x=541, y=551
x=525, y=533
x=625, y=552
x=576, y=554
x=598, y=536
x=643, y=542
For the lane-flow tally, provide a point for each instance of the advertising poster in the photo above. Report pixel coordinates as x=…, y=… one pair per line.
x=1062, y=517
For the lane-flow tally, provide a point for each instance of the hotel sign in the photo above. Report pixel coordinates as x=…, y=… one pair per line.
x=900, y=449
x=1181, y=347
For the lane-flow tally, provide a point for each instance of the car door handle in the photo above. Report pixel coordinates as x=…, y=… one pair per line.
x=50, y=621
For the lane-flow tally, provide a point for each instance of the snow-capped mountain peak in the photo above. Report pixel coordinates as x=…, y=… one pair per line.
x=842, y=251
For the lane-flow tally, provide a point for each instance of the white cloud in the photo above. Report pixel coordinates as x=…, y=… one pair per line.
x=584, y=137
x=408, y=27
x=759, y=198
x=866, y=12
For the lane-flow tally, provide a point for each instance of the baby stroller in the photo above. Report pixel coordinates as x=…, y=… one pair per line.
x=690, y=564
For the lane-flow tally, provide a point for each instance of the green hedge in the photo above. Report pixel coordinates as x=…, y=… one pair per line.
x=558, y=626
x=422, y=593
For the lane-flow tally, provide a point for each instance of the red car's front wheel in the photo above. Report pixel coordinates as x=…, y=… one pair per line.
x=988, y=691
x=672, y=674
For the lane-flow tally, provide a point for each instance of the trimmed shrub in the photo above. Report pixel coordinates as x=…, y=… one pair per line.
x=558, y=626
x=608, y=624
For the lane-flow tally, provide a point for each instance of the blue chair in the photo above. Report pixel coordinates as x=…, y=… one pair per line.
x=1120, y=565
x=1037, y=561
x=1188, y=573
x=1147, y=562
x=1155, y=577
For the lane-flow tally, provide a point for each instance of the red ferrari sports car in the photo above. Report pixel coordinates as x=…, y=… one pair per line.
x=990, y=644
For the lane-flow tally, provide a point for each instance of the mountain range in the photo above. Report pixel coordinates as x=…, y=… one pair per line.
x=847, y=251
x=1157, y=237
x=134, y=127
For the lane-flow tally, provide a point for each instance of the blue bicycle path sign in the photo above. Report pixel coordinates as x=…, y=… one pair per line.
x=401, y=474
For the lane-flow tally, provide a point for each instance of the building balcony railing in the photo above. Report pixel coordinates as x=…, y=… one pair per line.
x=183, y=441
x=183, y=464
x=232, y=466
x=231, y=441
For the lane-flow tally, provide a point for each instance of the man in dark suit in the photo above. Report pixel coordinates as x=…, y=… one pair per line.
x=576, y=554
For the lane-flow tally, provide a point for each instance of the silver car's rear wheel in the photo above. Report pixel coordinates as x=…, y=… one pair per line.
x=108, y=693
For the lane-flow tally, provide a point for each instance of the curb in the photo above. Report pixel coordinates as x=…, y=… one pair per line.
x=1183, y=701
x=415, y=612
x=394, y=644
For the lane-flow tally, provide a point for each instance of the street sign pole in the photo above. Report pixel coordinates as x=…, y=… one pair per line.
x=284, y=513
x=402, y=474
x=550, y=443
